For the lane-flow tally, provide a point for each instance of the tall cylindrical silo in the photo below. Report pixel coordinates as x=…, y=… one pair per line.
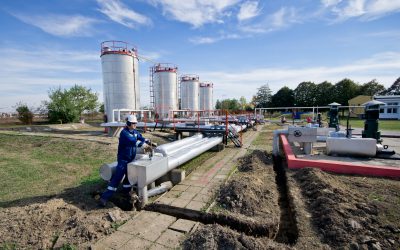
x=165, y=87
x=190, y=92
x=120, y=77
x=206, y=96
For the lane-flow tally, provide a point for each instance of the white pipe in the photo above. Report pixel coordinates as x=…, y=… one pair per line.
x=275, y=142
x=353, y=147
x=166, y=149
x=188, y=153
x=187, y=147
x=107, y=170
x=164, y=187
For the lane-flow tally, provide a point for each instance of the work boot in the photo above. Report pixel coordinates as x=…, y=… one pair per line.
x=102, y=203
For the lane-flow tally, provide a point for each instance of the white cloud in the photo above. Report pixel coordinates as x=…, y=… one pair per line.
x=384, y=67
x=28, y=74
x=209, y=40
x=328, y=3
x=60, y=25
x=282, y=18
x=41, y=60
x=364, y=9
x=196, y=12
x=120, y=13
x=248, y=10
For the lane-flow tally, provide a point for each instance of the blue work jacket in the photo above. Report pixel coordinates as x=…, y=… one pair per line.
x=128, y=143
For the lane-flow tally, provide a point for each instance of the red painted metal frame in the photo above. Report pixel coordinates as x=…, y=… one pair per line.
x=336, y=166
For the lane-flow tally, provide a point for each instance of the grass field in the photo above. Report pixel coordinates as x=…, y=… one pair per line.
x=383, y=124
x=35, y=166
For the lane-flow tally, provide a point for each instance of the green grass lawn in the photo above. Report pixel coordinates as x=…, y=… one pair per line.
x=383, y=124
x=38, y=166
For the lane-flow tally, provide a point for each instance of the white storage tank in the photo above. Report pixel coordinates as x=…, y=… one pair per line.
x=206, y=96
x=165, y=87
x=120, y=66
x=190, y=92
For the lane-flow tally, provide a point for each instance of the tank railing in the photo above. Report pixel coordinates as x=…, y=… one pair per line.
x=116, y=46
x=165, y=67
x=206, y=84
x=189, y=77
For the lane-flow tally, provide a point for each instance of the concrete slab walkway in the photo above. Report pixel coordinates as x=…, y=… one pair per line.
x=151, y=230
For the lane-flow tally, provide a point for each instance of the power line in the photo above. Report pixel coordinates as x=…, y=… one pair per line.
x=146, y=59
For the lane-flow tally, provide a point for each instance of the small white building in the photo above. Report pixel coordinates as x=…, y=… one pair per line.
x=391, y=109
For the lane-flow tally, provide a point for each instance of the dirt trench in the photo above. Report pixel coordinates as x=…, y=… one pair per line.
x=257, y=193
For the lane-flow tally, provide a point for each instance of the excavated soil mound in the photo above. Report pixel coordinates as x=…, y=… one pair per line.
x=218, y=237
x=345, y=217
x=253, y=191
x=56, y=224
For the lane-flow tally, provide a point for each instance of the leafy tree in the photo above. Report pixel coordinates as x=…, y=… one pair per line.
x=283, y=98
x=218, y=104
x=230, y=104
x=101, y=108
x=344, y=90
x=263, y=97
x=304, y=94
x=394, y=89
x=24, y=113
x=68, y=105
x=371, y=88
x=323, y=93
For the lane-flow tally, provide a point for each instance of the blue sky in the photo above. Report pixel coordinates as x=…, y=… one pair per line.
x=238, y=45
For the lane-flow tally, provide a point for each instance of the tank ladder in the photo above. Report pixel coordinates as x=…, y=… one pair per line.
x=151, y=75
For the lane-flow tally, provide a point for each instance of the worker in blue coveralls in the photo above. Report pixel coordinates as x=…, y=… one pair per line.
x=129, y=140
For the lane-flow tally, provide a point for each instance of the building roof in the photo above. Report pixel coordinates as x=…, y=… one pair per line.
x=359, y=99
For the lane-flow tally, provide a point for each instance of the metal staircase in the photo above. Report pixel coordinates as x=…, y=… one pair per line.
x=234, y=136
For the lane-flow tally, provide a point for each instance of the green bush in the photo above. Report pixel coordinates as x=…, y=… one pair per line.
x=24, y=114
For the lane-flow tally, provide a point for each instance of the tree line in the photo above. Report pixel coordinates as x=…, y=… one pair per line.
x=308, y=94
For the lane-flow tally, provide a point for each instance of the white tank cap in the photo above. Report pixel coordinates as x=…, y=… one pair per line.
x=131, y=118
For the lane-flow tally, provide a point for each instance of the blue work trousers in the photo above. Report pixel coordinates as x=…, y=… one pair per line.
x=120, y=172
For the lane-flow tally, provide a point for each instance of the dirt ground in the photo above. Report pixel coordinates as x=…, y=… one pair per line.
x=250, y=194
x=329, y=211
x=350, y=211
x=71, y=219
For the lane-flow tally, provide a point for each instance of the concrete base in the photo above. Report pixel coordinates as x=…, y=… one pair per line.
x=163, y=178
x=218, y=148
x=178, y=135
x=177, y=175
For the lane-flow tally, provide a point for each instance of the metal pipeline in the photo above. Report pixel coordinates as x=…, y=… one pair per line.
x=185, y=154
x=169, y=148
x=164, y=187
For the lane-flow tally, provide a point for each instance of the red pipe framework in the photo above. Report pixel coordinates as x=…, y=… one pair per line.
x=336, y=166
